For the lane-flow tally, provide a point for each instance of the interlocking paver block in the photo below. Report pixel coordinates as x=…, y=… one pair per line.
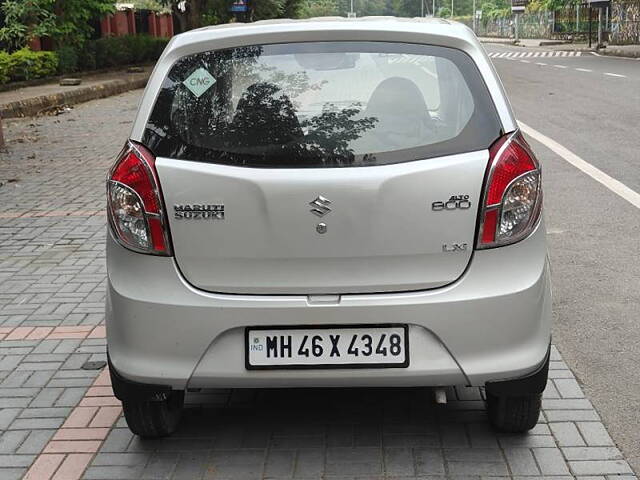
x=399, y=461
x=479, y=461
x=595, y=434
x=73, y=466
x=309, y=463
x=117, y=441
x=567, y=434
x=521, y=461
x=353, y=461
x=190, y=465
x=160, y=466
x=65, y=446
x=550, y=461
x=592, y=453
x=44, y=467
x=597, y=467
x=81, y=434
x=36, y=441
x=11, y=439
x=568, y=388
x=105, y=417
x=429, y=461
x=280, y=464
x=236, y=464
x=7, y=416
x=19, y=333
x=80, y=417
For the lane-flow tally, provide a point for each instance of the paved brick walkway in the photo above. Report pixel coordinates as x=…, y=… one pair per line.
x=60, y=420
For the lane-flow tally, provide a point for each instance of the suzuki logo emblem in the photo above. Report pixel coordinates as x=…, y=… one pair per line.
x=320, y=206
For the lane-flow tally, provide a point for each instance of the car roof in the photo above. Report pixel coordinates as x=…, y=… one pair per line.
x=368, y=28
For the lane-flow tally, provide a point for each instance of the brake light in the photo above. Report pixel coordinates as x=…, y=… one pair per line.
x=134, y=202
x=513, y=193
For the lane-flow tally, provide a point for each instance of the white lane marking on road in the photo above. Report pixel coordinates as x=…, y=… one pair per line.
x=615, y=75
x=598, y=175
x=560, y=66
x=540, y=63
x=525, y=61
x=584, y=70
x=512, y=55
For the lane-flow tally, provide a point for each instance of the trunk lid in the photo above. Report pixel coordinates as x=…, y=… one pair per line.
x=382, y=233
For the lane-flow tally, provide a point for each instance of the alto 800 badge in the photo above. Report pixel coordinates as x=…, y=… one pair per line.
x=198, y=211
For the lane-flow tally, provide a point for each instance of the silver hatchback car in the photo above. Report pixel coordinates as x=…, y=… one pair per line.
x=326, y=203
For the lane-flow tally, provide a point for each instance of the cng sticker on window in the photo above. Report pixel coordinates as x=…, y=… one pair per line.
x=199, y=82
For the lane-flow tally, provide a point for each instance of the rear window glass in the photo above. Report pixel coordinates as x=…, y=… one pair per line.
x=323, y=104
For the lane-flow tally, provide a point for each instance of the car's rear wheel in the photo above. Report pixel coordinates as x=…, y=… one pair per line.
x=514, y=414
x=154, y=418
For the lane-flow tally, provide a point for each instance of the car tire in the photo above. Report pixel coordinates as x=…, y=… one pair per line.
x=154, y=418
x=514, y=414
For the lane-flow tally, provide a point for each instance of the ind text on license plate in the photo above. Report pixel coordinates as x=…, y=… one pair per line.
x=327, y=347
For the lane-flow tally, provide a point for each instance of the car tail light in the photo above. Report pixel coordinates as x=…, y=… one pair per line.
x=134, y=202
x=513, y=193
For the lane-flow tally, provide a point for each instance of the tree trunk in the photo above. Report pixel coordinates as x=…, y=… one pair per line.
x=181, y=19
x=195, y=9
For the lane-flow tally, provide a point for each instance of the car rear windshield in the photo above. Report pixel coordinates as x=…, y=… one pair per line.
x=322, y=104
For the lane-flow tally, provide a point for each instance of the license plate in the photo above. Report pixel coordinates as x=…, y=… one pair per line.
x=327, y=347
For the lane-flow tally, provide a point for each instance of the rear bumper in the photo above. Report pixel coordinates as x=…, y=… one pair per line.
x=491, y=324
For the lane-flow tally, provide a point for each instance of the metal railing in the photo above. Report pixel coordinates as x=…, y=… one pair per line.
x=620, y=24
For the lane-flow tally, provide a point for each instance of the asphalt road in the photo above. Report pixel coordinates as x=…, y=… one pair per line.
x=590, y=105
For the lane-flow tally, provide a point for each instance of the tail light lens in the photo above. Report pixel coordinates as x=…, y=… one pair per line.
x=134, y=202
x=513, y=193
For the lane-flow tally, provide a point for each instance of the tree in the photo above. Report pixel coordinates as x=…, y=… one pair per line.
x=188, y=13
x=154, y=5
x=67, y=22
x=319, y=8
x=267, y=9
x=192, y=14
x=25, y=20
x=292, y=8
x=73, y=19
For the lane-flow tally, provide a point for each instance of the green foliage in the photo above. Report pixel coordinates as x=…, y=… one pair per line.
x=218, y=11
x=538, y=5
x=25, y=20
x=154, y=5
x=319, y=8
x=73, y=19
x=412, y=8
x=5, y=62
x=293, y=8
x=87, y=56
x=109, y=52
x=67, y=60
x=25, y=64
x=67, y=22
x=105, y=52
x=496, y=9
